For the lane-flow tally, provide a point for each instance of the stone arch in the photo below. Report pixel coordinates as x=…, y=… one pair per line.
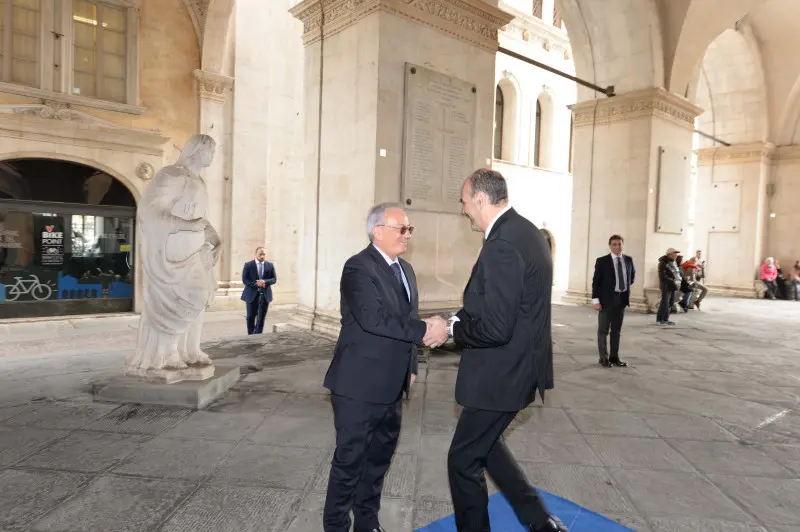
x=217, y=38
x=509, y=85
x=624, y=50
x=789, y=129
x=126, y=181
x=730, y=87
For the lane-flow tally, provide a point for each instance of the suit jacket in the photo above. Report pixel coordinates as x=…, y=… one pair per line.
x=604, y=281
x=376, y=352
x=250, y=276
x=504, y=326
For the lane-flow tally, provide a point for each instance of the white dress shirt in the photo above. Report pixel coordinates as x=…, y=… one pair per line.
x=402, y=272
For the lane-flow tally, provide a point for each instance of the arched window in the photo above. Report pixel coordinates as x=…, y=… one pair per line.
x=499, y=110
x=537, y=139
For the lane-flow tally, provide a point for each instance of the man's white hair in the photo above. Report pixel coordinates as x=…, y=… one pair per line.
x=377, y=214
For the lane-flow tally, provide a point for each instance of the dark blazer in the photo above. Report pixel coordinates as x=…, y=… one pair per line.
x=604, y=281
x=250, y=276
x=376, y=352
x=504, y=326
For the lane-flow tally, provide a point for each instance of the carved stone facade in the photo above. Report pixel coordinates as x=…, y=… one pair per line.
x=635, y=105
x=214, y=87
x=473, y=21
x=747, y=153
x=198, y=9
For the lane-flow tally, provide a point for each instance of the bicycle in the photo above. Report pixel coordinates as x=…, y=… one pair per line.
x=33, y=286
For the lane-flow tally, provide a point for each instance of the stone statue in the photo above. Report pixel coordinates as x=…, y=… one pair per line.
x=178, y=254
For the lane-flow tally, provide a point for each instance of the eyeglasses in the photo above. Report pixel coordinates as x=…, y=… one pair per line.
x=403, y=228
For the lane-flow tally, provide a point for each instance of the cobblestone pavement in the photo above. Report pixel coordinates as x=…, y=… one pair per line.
x=701, y=433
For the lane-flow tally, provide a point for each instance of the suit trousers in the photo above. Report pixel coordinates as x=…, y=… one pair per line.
x=478, y=447
x=366, y=437
x=610, y=318
x=257, y=314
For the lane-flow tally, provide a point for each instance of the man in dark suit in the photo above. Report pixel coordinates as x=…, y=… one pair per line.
x=611, y=293
x=258, y=276
x=374, y=362
x=505, y=331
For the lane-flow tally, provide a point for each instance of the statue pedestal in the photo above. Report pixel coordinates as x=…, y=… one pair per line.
x=189, y=390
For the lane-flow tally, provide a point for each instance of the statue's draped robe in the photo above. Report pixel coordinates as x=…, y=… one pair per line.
x=177, y=261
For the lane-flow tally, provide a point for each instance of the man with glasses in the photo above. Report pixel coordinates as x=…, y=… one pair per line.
x=374, y=363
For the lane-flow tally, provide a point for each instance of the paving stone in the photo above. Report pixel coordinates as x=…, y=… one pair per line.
x=772, y=501
x=727, y=458
x=18, y=442
x=440, y=418
x=786, y=455
x=181, y=459
x=427, y=511
x=8, y=412
x=269, y=466
x=118, y=504
x=445, y=392
x=309, y=516
x=634, y=522
x=236, y=509
x=27, y=495
x=538, y=419
x=61, y=415
x=216, y=426
x=685, y=427
x=572, y=396
x=410, y=433
x=551, y=448
x=295, y=431
x=139, y=419
x=637, y=453
x=442, y=376
x=590, y=487
x=318, y=406
x=87, y=452
x=688, y=524
x=672, y=493
x=432, y=480
x=611, y=423
x=246, y=399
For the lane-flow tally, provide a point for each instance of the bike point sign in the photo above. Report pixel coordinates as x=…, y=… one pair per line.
x=52, y=245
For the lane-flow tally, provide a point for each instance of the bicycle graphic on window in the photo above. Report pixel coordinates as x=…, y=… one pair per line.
x=38, y=290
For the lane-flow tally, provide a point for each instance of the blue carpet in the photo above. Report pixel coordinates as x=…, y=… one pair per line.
x=503, y=518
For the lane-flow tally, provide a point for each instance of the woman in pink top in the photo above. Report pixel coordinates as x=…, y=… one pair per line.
x=768, y=275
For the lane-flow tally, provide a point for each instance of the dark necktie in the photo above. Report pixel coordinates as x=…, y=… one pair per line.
x=399, y=275
x=622, y=283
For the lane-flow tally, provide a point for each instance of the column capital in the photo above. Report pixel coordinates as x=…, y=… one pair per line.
x=211, y=86
x=473, y=21
x=634, y=105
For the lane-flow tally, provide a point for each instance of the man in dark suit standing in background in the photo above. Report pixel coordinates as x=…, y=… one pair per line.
x=505, y=330
x=374, y=362
x=258, y=276
x=611, y=293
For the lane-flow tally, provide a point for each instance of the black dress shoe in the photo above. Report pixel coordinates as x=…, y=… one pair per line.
x=619, y=363
x=553, y=524
x=379, y=529
x=605, y=362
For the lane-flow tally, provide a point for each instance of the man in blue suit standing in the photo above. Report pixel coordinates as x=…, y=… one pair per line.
x=258, y=276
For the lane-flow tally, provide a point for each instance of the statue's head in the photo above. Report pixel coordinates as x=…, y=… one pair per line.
x=198, y=152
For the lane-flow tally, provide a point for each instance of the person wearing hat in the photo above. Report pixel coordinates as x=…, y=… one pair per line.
x=669, y=280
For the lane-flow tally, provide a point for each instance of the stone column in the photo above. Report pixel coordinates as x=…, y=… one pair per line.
x=731, y=215
x=356, y=59
x=625, y=147
x=783, y=193
x=213, y=90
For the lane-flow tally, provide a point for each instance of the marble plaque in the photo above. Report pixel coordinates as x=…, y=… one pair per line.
x=674, y=167
x=726, y=198
x=438, y=145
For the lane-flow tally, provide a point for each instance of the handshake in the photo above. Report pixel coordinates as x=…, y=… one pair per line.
x=437, y=332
